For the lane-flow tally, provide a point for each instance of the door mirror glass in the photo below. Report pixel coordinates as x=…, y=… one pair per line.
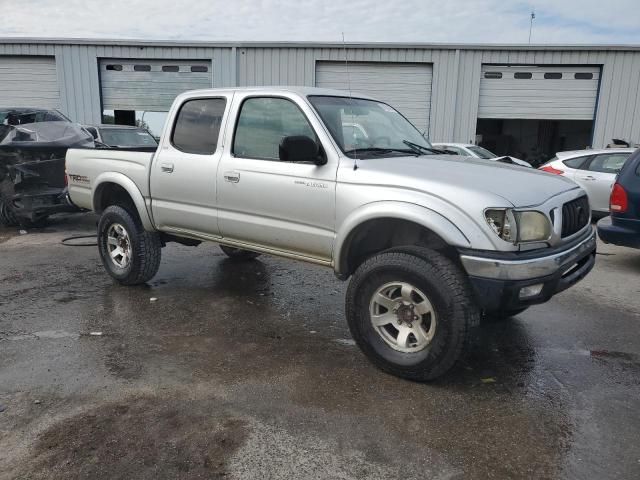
x=300, y=148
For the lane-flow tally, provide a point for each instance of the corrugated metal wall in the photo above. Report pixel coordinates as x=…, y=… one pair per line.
x=296, y=66
x=456, y=81
x=455, y=88
x=77, y=69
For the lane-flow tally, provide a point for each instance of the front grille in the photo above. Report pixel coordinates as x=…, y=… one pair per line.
x=575, y=215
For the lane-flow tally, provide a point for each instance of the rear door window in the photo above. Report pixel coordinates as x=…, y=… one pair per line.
x=198, y=124
x=608, y=162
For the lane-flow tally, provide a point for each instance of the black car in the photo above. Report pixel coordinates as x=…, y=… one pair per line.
x=33, y=144
x=623, y=226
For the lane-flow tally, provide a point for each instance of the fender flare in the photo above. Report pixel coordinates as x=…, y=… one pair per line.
x=411, y=212
x=130, y=187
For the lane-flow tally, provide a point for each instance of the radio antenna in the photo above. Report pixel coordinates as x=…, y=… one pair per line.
x=346, y=65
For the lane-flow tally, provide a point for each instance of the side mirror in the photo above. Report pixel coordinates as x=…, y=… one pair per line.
x=300, y=148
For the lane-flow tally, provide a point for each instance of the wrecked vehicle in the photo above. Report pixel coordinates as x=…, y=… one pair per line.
x=33, y=143
x=429, y=241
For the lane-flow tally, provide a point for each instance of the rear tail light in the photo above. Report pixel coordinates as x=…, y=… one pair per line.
x=550, y=169
x=618, y=202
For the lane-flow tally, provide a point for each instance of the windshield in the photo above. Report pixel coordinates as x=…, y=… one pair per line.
x=367, y=128
x=481, y=152
x=127, y=137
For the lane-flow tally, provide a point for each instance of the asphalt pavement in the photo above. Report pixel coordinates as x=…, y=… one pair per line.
x=221, y=369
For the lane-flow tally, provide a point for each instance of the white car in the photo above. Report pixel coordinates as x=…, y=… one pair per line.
x=470, y=150
x=593, y=170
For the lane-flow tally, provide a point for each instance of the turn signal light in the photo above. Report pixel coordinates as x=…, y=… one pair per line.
x=550, y=169
x=618, y=202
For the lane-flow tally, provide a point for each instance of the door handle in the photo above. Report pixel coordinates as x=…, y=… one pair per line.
x=588, y=177
x=233, y=177
x=166, y=167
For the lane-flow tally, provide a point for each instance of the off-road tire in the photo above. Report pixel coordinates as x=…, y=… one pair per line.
x=448, y=291
x=493, y=316
x=146, y=247
x=238, y=253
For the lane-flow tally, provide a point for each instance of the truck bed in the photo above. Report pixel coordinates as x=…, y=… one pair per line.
x=87, y=165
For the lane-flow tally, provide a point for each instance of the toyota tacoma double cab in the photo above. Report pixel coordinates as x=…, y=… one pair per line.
x=429, y=242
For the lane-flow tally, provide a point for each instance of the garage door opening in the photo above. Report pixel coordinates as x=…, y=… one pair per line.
x=534, y=111
x=535, y=141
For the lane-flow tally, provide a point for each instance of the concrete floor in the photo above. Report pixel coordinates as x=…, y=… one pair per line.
x=247, y=371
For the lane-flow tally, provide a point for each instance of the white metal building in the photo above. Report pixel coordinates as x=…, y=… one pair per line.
x=520, y=99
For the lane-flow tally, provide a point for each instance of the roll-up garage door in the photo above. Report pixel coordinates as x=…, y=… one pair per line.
x=149, y=85
x=405, y=86
x=538, y=92
x=29, y=82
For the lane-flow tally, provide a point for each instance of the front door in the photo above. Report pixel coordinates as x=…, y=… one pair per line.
x=284, y=206
x=183, y=174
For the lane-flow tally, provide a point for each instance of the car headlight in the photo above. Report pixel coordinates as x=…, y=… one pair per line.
x=518, y=227
x=502, y=221
x=533, y=226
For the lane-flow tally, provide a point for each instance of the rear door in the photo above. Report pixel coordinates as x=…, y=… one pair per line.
x=183, y=173
x=263, y=201
x=572, y=166
x=598, y=177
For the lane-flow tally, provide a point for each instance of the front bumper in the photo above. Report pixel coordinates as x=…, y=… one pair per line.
x=623, y=232
x=497, y=279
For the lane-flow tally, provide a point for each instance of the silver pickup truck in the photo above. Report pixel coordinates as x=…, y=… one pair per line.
x=430, y=242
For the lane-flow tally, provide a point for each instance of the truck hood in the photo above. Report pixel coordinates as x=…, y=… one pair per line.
x=447, y=176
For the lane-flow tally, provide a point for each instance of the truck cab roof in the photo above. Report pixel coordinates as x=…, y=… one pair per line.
x=300, y=90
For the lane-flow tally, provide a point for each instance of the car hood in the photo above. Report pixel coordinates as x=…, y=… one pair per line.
x=449, y=178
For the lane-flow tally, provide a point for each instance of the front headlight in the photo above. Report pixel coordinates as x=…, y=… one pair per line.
x=533, y=226
x=502, y=221
x=516, y=227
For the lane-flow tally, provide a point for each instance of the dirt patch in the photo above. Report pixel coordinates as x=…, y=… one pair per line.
x=140, y=438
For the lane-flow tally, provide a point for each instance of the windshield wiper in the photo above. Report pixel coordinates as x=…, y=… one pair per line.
x=381, y=150
x=420, y=148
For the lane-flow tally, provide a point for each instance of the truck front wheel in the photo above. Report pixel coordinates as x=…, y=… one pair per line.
x=411, y=312
x=130, y=254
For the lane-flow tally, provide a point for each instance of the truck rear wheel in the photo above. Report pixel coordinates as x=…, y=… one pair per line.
x=130, y=254
x=411, y=312
x=238, y=253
